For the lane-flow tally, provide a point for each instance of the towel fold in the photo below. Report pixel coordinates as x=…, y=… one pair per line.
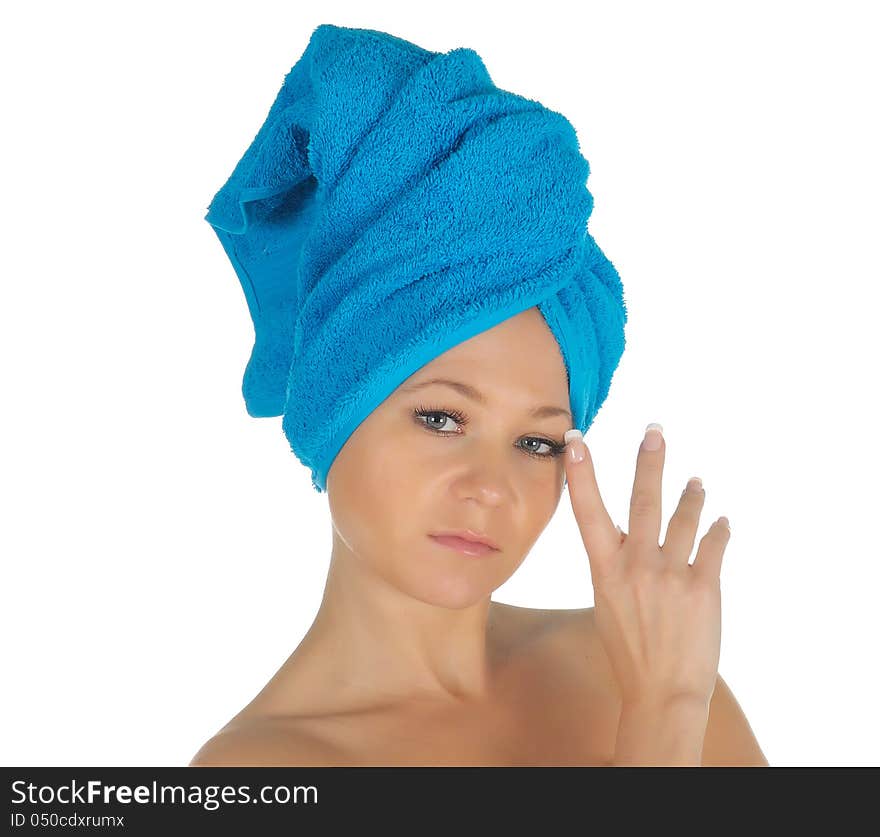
x=393, y=204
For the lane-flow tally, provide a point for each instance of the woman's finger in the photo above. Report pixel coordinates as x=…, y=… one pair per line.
x=600, y=535
x=645, y=504
x=682, y=529
x=711, y=550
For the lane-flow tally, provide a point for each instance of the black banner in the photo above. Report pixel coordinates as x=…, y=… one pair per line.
x=269, y=800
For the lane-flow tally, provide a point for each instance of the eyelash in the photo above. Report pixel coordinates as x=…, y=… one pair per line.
x=556, y=449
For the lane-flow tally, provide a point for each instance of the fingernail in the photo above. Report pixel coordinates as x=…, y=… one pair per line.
x=653, y=436
x=576, y=448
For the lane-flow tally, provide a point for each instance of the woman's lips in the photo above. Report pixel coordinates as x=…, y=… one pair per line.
x=460, y=544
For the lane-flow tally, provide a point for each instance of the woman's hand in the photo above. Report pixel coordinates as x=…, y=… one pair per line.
x=658, y=617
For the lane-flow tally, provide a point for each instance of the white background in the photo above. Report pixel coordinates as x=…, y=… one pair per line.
x=163, y=552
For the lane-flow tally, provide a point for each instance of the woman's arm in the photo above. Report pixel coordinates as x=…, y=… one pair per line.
x=688, y=734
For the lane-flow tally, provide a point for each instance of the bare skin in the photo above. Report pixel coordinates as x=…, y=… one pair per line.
x=553, y=703
x=408, y=660
x=407, y=647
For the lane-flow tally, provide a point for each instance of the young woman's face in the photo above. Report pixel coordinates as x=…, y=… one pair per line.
x=430, y=459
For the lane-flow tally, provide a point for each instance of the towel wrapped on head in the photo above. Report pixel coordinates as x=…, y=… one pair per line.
x=393, y=204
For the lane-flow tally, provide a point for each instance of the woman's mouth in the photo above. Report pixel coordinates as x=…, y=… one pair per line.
x=462, y=545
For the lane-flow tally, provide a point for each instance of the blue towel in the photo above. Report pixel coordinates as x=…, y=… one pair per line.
x=393, y=204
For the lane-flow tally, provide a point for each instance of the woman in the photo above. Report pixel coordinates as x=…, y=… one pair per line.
x=408, y=660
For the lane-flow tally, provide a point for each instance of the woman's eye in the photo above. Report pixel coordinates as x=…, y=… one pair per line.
x=538, y=444
x=437, y=421
x=444, y=419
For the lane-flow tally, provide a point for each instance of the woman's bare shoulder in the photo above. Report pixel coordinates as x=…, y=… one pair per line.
x=568, y=627
x=262, y=743
x=531, y=622
x=572, y=632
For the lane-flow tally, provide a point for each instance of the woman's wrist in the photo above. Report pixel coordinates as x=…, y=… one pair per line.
x=661, y=733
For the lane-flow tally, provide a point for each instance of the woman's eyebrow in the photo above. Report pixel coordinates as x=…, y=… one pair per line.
x=475, y=395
